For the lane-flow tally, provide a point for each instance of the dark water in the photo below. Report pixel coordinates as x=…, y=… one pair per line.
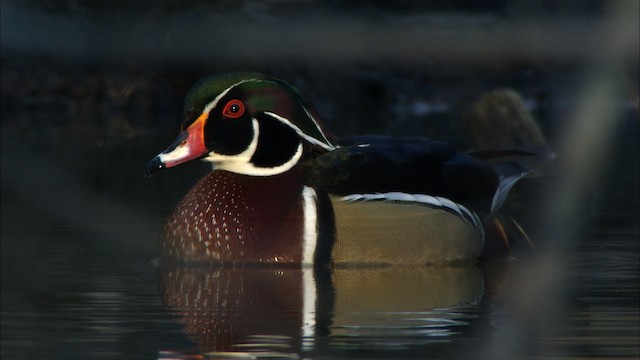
x=79, y=225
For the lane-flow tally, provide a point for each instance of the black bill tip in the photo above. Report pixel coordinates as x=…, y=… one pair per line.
x=154, y=166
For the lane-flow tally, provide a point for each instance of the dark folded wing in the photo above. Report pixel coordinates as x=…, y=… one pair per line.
x=414, y=165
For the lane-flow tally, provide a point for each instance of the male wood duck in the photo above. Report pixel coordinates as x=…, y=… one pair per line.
x=284, y=190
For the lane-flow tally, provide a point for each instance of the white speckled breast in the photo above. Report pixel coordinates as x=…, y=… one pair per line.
x=229, y=217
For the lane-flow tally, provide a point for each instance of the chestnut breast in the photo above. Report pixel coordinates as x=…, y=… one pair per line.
x=229, y=217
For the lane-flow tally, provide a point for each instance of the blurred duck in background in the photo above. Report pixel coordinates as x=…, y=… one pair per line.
x=499, y=121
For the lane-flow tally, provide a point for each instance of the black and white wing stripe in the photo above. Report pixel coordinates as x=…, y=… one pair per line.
x=471, y=217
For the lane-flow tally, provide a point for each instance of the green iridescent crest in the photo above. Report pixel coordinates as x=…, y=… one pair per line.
x=261, y=94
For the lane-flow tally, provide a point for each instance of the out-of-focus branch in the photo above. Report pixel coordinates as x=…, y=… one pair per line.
x=202, y=35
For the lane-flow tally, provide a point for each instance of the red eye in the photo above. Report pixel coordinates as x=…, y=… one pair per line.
x=234, y=109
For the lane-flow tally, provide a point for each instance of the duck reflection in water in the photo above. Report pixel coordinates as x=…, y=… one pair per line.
x=280, y=310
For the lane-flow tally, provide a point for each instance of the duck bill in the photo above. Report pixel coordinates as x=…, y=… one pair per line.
x=189, y=145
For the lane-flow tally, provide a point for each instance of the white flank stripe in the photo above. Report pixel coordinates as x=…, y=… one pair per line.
x=437, y=201
x=352, y=197
x=398, y=196
x=450, y=204
x=310, y=238
x=427, y=199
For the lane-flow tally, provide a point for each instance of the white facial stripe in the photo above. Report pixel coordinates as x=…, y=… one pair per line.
x=327, y=144
x=310, y=139
x=315, y=122
x=241, y=167
x=240, y=163
x=245, y=156
x=215, y=101
x=310, y=236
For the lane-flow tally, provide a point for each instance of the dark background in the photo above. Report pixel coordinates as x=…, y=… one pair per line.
x=91, y=90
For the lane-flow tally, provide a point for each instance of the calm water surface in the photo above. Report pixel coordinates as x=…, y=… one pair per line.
x=79, y=280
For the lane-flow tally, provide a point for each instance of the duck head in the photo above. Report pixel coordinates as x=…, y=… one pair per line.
x=246, y=123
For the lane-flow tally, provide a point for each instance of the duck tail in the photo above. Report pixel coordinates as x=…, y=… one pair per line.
x=509, y=167
x=509, y=173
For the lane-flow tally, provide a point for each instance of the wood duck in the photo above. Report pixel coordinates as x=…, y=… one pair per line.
x=284, y=190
